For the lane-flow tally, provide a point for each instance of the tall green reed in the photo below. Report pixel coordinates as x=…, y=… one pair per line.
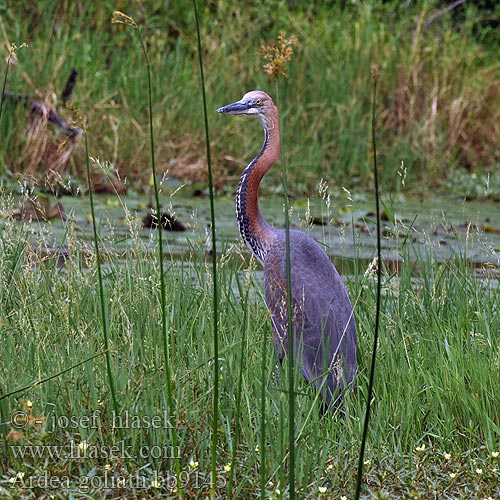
x=276, y=56
x=237, y=431
x=290, y=332
x=102, y=293
x=215, y=297
x=4, y=85
x=262, y=427
x=12, y=52
x=3, y=412
x=378, y=296
x=121, y=18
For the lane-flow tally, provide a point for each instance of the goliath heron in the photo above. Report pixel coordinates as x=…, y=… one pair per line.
x=323, y=321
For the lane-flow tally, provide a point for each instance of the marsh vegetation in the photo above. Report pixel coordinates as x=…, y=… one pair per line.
x=107, y=362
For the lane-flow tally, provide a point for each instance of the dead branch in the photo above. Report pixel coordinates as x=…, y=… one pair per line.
x=70, y=85
x=41, y=109
x=442, y=12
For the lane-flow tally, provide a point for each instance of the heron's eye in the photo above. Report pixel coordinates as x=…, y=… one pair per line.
x=258, y=102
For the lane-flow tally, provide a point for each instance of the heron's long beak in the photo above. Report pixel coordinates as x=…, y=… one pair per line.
x=236, y=108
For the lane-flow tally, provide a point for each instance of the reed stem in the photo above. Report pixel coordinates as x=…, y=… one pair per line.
x=215, y=311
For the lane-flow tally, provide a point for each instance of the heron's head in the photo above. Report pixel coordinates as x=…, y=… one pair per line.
x=254, y=103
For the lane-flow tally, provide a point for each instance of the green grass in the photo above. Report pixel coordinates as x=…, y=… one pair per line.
x=438, y=87
x=436, y=389
x=72, y=366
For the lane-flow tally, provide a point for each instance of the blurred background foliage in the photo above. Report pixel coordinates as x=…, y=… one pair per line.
x=438, y=104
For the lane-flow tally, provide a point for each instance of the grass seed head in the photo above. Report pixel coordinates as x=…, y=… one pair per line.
x=277, y=55
x=122, y=18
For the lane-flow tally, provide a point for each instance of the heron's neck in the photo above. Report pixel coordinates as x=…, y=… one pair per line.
x=255, y=231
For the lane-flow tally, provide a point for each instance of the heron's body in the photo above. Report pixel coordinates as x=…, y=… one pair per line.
x=323, y=321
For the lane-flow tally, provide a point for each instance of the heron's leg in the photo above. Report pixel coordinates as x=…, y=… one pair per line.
x=277, y=370
x=277, y=374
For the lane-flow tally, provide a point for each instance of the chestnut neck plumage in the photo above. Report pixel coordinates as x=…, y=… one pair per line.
x=255, y=231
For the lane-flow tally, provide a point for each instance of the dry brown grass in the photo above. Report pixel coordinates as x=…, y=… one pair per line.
x=447, y=106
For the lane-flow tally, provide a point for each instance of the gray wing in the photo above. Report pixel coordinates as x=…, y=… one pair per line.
x=323, y=321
